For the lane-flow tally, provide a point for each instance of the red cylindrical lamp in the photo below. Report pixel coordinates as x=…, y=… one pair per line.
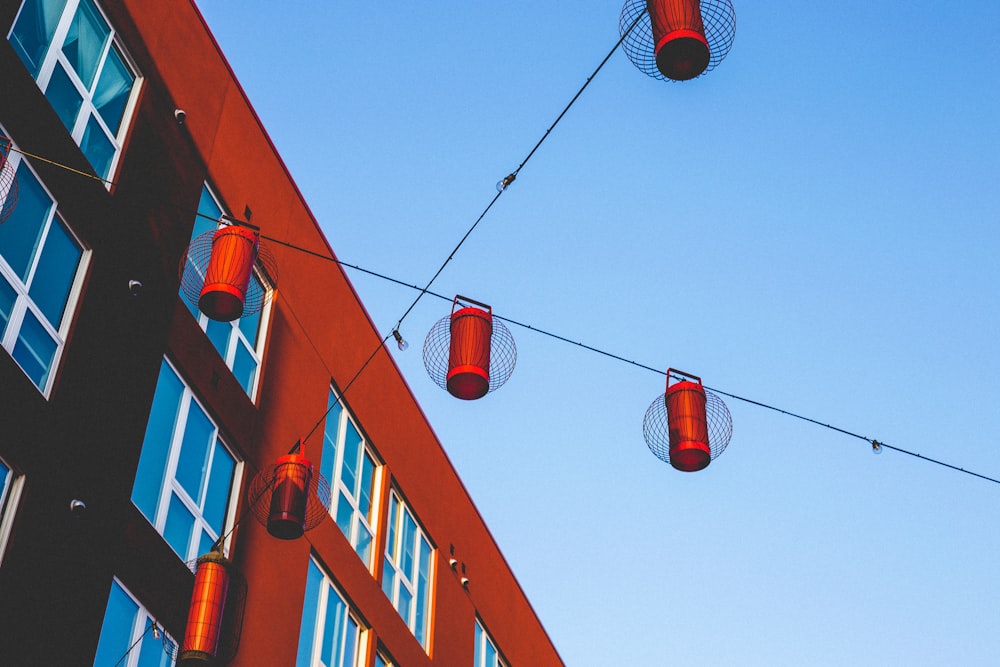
x=287, y=515
x=469, y=352
x=680, y=47
x=234, y=251
x=688, y=425
x=208, y=601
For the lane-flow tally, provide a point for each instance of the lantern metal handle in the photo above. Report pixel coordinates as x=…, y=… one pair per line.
x=690, y=376
x=465, y=299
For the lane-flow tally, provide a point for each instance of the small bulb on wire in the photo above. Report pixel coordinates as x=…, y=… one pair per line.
x=504, y=182
x=876, y=447
x=400, y=341
x=156, y=630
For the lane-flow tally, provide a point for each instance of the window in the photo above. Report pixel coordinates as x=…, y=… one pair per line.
x=41, y=264
x=127, y=637
x=73, y=53
x=486, y=649
x=10, y=487
x=381, y=661
x=350, y=467
x=406, y=575
x=330, y=635
x=241, y=342
x=185, y=484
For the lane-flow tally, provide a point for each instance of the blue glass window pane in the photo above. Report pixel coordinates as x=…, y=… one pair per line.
x=350, y=643
x=21, y=234
x=85, y=42
x=116, y=631
x=344, y=514
x=367, y=486
x=379, y=661
x=205, y=543
x=113, y=90
x=151, y=653
x=250, y=324
x=4, y=476
x=209, y=214
x=409, y=532
x=156, y=444
x=491, y=655
x=348, y=472
x=199, y=434
x=479, y=645
x=308, y=628
x=97, y=147
x=244, y=368
x=404, y=604
x=219, y=484
x=180, y=525
x=392, y=545
x=330, y=431
x=34, y=350
x=7, y=298
x=64, y=97
x=54, y=276
x=423, y=584
x=33, y=31
x=364, y=546
x=388, y=578
x=333, y=630
x=218, y=333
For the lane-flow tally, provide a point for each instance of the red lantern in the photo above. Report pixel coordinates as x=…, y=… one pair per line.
x=208, y=601
x=289, y=497
x=234, y=251
x=469, y=353
x=687, y=426
x=287, y=517
x=680, y=46
x=677, y=40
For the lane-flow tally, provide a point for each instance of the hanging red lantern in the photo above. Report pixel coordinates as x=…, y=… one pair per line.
x=469, y=353
x=289, y=497
x=8, y=181
x=680, y=47
x=208, y=602
x=227, y=273
x=234, y=251
x=687, y=426
x=677, y=40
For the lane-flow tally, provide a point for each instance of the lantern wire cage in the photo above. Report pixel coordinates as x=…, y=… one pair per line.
x=232, y=618
x=8, y=181
x=437, y=349
x=262, y=486
x=194, y=266
x=719, y=18
x=656, y=431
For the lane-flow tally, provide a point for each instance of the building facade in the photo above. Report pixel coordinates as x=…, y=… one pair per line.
x=134, y=424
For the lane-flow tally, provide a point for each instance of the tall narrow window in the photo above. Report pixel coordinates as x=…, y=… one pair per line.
x=9, y=487
x=127, y=637
x=330, y=635
x=186, y=480
x=240, y=342
x=41, y=266
x=73, y=53
x=406, y=577
x=487, y=654
x=350, y=466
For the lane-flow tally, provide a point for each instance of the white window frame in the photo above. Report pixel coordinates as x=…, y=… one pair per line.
x=327, y=588
x=237, y=337
x=23, y=302
x=482, y=643
x=401, y=579
x=169, y=485
x=10, y=493
x=333, y=443
x=54, y=54
x=140, y=629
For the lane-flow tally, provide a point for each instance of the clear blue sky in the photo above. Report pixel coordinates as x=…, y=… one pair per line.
x=813, y=225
